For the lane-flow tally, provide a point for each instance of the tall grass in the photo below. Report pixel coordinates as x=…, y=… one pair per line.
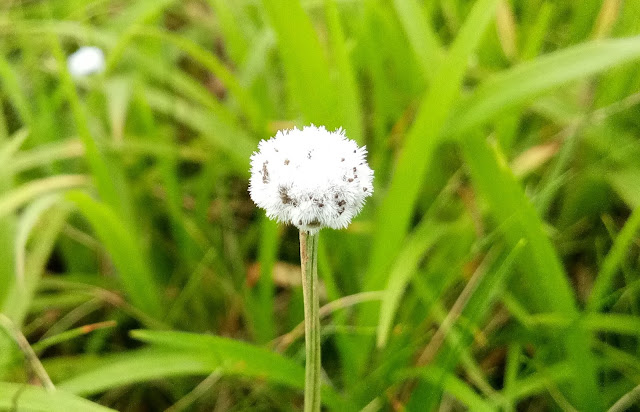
x=496, y=267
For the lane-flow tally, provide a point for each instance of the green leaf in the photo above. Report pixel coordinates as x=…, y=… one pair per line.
x=347, y=90
x=100, y=170
x=261, y=297
x=423, y=39
x=305, y=63
x=134, y=18
x=11, y=147
x=233, y=140
x=28, y=220
x=539, y=382
x=609, y=322
x=12, y=90
x=186, y=354
x=626, y=183
x=20, y=293
x=28, y=398
x=13, y=200
x=539, y=262
x=232, y=355
x=481, y=292
x=395, y=211
x=126, y=368
x=521, y=83
x=616, y=255
x=135, y=275
x=452, y=385
x=212, y=63
x=400, y=275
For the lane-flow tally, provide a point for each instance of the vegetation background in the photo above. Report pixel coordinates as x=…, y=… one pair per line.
x=495, y=268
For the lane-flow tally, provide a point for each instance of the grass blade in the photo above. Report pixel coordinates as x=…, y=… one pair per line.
x=516, y=86
x=20, y=294
x=347, y=94
x=540, y=264
x=199, y=54
x=177, y=354
x=136, y=277
x=98, y=166
x=11, y=87
x=13, y=200
x=27, y=222
x=233, y=355
x=401, y=273
x=305, y=63
x=453, y=385
x=613, y=260
x=457, y=327
x=27, y=398
x=233, y=140
x=423, y=39
x=261, y=299
x=423, y=137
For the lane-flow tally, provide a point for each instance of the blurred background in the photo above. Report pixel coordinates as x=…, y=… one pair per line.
x=495, y=268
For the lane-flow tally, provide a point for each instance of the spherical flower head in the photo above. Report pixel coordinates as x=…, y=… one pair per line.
x=85, y=61
x=310, y=178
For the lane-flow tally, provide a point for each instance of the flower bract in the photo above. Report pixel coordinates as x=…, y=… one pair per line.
x=310, y=178
x=85, y=61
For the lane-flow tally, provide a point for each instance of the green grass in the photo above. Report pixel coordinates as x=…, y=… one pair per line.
x=496, y=266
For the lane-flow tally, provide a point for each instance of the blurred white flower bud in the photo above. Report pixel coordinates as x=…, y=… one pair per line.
x=310, y=178
x=86, y=61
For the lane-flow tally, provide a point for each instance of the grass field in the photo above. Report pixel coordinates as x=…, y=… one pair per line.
x=495, y=268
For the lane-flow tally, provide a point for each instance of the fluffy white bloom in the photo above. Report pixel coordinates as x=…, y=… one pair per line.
x=310, y=178
x=86, y=61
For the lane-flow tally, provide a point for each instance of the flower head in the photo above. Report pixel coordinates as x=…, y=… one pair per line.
x=310, y=178
x=86, y=61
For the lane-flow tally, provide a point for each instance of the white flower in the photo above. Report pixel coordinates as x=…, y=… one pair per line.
x=310, y=178
x=86, y=61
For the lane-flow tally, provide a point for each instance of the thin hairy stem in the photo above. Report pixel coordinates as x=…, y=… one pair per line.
x=309, y=263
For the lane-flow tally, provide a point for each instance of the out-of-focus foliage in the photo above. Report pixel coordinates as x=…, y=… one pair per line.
x=495, y=268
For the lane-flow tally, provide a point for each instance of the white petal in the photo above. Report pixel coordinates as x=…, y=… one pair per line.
x=86, y=61
x=310, y=178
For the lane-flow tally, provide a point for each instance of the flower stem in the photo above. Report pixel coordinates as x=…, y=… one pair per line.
x=309, y=263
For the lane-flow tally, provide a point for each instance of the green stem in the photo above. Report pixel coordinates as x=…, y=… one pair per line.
x=309, y=263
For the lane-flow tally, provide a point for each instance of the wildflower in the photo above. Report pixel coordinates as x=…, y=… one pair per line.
x=86, y=61
x=310, y=178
